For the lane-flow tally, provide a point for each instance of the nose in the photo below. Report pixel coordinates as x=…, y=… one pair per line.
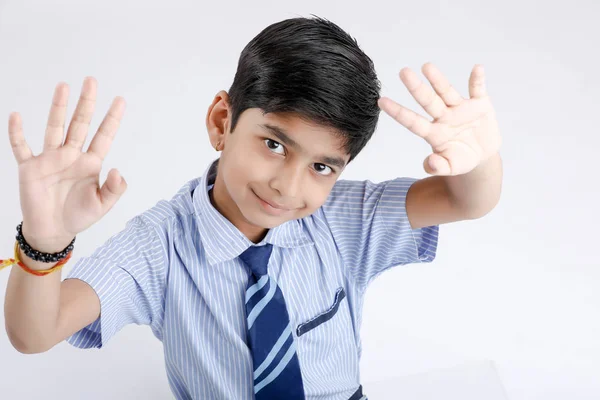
x=288, y=181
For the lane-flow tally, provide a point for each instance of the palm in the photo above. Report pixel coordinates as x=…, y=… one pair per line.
x=59, y=189
x=463, y=132
x=465, y=144
x=68, y=187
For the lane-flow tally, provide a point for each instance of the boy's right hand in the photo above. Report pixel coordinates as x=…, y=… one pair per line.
x=59, y=188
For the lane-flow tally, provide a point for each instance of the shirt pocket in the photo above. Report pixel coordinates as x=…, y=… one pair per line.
x=323, y=317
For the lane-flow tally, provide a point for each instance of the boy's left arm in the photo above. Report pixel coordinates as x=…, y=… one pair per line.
x=465, y=141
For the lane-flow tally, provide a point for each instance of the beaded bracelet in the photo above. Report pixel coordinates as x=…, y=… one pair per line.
x=62, y=257
x=40, y=272
x=38, y=255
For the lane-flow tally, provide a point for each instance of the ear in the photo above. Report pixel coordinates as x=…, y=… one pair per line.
x=218, y=119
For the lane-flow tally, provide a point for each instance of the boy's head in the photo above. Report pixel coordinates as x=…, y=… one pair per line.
x=302, y=105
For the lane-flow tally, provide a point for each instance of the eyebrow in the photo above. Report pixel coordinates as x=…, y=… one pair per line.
x=287, y=140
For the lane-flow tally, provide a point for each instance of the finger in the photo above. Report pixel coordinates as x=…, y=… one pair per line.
x=114, y=186
x=412, y=121
x=435, y=134
x=441, y=85
x=477, y=82
x=103, y=139
x=435, y=164
x=471, y=112
x=80, y=123
x=55, y=128
x=19, y=146
x=423, y=94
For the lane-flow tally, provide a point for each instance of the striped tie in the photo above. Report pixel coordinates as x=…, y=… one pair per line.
x=276, y=367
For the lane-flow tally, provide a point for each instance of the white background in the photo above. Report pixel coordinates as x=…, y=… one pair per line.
x=518, y=289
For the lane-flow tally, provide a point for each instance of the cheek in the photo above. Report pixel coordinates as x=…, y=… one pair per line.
x=240, y=164
x=242, y=171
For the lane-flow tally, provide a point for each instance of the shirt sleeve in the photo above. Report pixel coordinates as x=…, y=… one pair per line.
x=371, y=229
x=127, y=273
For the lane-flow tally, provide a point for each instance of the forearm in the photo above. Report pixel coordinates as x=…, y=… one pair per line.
x=32, y=305
x=478, y=191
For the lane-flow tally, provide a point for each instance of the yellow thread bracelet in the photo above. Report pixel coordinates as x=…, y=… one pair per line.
x=42, y=272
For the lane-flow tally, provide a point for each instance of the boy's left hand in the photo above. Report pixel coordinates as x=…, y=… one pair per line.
x=464, y=132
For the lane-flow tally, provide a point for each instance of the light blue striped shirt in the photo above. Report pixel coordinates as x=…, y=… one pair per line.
x=175, y=267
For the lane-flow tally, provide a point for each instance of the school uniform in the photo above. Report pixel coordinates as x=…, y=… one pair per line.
x=176, y=268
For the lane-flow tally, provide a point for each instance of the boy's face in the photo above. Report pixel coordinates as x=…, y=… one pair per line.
x=273, y=168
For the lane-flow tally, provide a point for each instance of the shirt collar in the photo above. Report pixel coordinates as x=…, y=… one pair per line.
x=222, y=240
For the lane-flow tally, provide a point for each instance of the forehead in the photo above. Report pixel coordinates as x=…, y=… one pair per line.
x=301, y=135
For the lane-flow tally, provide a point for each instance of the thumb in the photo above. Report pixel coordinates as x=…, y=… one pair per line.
x=434, y=164
x=114, y=186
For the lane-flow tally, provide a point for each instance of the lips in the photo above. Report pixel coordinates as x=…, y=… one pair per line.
x=273, y=204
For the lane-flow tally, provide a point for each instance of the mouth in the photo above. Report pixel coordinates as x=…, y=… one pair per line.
x=270, y=207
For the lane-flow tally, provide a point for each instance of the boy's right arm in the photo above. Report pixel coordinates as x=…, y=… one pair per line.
x=42, y=311
x=60, y=197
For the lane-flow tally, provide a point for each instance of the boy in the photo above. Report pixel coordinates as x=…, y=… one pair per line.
x=304, y=102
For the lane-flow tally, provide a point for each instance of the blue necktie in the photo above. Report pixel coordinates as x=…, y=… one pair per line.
x=276, y=367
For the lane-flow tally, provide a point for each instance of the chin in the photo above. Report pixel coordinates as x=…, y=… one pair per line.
x=266, y=221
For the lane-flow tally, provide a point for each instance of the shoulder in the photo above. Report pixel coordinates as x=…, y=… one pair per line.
x=350, y=196
x=171, y=216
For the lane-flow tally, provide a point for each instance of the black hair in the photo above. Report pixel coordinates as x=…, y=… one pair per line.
x=311, y=68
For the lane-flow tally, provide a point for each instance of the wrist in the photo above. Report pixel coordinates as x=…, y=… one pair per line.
x=45, y=251
x=33, y=264
x=44, y=244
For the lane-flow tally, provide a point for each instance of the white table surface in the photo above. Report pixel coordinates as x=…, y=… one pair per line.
x=472, y=381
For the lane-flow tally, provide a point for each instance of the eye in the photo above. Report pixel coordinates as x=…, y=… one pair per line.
x=323, y=167
x=273, y=145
